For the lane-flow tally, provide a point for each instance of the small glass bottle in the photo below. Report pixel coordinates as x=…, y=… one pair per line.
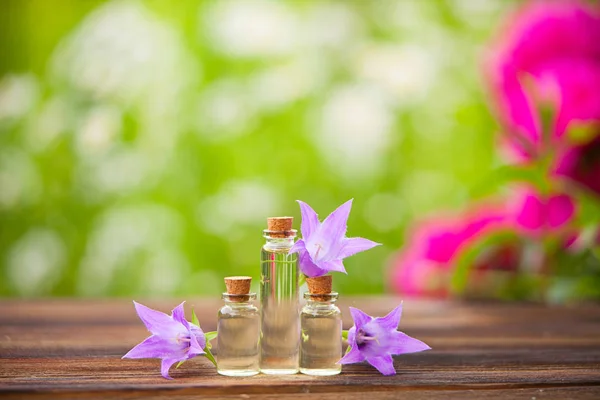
x=321, y=327
x=280, y=326
x=238, y=330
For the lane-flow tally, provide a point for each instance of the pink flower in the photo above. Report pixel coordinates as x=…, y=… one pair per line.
x=536, y=214
x=548, y=54
x=427, y=263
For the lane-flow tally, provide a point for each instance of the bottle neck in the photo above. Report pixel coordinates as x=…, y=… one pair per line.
x=244, y=305
x=320, y=300
x=279, y=242
x=239, y=301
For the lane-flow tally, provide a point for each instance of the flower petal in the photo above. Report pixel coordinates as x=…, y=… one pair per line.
x=166, y=365
x=384, y=364
x=380, y=342
x=178, y=314
x=404, y=344
x=334, y=265
x=391, y=320
x=199, y=334
x=297, y=247
x=352, y=336
x=561, y=209
x=359, y=317
x=351, y=246
x=156, y=347
x=326, y=242
x=158, y=323
x=531, y=214
x=353, y=356
x=336, y=223
x=310, y=219
x=307, y=267
x=195, y=346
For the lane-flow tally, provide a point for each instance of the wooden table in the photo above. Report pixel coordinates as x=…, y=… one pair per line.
x=72, y=348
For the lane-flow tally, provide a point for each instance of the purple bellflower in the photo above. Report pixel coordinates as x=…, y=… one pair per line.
x=324, y=245
x=173, y=338
x=376, y=339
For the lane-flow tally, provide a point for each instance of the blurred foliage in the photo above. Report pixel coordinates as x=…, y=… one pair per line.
x=144, y=143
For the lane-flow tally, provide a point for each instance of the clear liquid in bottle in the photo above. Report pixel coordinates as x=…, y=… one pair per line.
x=321, y=340
x=238, y=330
x=280, y=322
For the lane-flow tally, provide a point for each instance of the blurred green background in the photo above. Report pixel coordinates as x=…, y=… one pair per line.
x=143, y=144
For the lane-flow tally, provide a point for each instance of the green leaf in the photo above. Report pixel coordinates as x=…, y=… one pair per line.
x=195, y=318
x=179, y=364
x=210, y=335
x=588, y=214
x=506, y=174
x=210, y=356
x=301, y=280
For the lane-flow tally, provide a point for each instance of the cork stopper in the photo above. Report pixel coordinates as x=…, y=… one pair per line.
x=320, y=285
x=280, y=226
x=238, y=286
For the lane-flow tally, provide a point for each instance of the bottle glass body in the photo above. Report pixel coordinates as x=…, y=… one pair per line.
x=321, y=341
x=238, y=330
x=280, y=327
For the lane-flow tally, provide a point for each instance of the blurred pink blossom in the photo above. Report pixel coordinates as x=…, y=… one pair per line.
x=425, y=265
x=537, y=214
x=549, y=54
x=555, y=45
x=423, y=268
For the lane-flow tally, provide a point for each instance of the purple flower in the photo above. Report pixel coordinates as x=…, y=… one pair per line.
x=324, y=245
x=173, y=338
x=376, y=339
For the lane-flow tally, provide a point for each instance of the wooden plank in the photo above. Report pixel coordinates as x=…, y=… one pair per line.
x=579, y=392
x=67, y=348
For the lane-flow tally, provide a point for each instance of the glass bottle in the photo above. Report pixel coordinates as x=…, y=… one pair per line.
x=321, y=342
x=280, y=327
x=238, y=330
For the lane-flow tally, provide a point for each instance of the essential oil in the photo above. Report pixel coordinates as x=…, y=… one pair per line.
x=238, y=330
x=280, y=327
x=321, y=329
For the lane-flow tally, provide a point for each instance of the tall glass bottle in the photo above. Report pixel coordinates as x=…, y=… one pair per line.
x=238, y=330
x=280, y=328
x=321, y=328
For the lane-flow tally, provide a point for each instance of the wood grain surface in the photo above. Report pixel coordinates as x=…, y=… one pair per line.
x=56, y=349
